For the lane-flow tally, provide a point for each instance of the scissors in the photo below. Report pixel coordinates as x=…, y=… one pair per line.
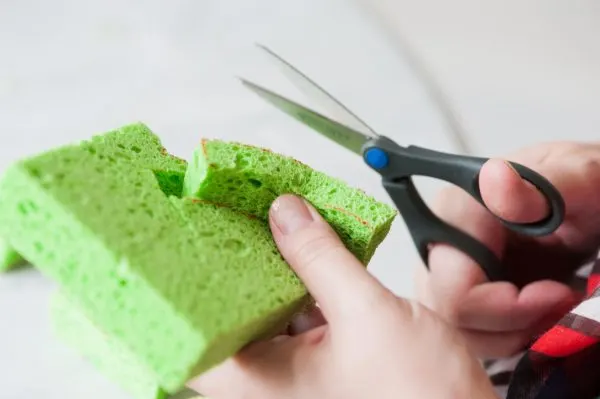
x=397, y=164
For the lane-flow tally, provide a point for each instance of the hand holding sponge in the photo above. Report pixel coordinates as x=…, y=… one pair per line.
x=167, y=269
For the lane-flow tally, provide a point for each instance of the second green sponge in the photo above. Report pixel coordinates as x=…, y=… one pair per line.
x=249, y=178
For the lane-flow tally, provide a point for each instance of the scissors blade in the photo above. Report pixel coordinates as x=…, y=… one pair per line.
x=343, y=135
x=318, y=95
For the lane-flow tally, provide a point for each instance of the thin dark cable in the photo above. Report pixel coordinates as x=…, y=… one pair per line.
x=436, y=94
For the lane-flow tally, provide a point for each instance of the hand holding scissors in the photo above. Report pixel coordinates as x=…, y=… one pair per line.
x=397, y=164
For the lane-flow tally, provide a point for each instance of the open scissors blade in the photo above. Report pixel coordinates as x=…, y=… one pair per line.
x=317, y=94
x=339, y=133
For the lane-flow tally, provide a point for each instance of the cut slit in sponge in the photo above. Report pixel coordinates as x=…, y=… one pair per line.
x=248, y=179
x=166, y=277
x=180, y=282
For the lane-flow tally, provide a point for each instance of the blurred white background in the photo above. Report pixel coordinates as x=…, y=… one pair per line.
x=517, y=72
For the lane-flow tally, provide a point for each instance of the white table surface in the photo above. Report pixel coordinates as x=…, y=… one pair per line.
x=70, y=68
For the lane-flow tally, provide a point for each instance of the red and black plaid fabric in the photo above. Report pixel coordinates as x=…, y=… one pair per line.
x=564, y=363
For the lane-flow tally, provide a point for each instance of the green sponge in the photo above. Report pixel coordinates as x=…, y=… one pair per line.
x=183, y=284
x=9, y=258
x=178, y=283
x=115, y=361
x=250, y=178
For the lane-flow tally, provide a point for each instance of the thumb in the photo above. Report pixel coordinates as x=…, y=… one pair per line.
x=333, y=276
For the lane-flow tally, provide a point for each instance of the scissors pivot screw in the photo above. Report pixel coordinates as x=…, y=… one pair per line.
x=376, y=158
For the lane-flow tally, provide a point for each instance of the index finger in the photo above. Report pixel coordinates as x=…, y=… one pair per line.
x=453, y=273
x=574, y=168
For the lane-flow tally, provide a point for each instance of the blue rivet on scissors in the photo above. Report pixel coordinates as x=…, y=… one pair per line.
x=376, y=158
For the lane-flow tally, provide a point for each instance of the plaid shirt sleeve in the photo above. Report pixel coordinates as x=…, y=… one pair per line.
x=563, y=363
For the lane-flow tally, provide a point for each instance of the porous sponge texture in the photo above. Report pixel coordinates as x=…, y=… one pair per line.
x=115, y=361
x=181, y=283
x=249, y=179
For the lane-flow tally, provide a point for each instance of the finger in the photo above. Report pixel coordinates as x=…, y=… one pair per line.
x=488, y=345
x=574, y=169
x=452, y=272
x=307, y=321
x=334, y=277
x=509, y=196
x=309, y=318
x=502, y=307
x=265, y=369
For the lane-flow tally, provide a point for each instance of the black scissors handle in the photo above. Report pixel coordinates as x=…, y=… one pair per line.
x=398, y=164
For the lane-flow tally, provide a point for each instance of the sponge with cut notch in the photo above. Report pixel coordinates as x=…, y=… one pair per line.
x=179, y=282
x=183, y=284
x=249, y=179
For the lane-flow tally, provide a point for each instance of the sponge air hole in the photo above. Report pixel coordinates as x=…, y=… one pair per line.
x=206, y=233
x=241, y=161
x=256, y=183
x=236, y=246
x=27, y=207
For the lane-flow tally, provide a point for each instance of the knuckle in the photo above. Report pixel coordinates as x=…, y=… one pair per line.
x=548, y=154
x=582, y=159
x=382, y=299
x=589, y=166
x=396, y=314
x=389, y=309
x=410, y=307
x=447, y=311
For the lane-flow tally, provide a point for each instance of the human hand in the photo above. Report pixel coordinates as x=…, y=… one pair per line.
x=373, y=345
x=499, y=319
